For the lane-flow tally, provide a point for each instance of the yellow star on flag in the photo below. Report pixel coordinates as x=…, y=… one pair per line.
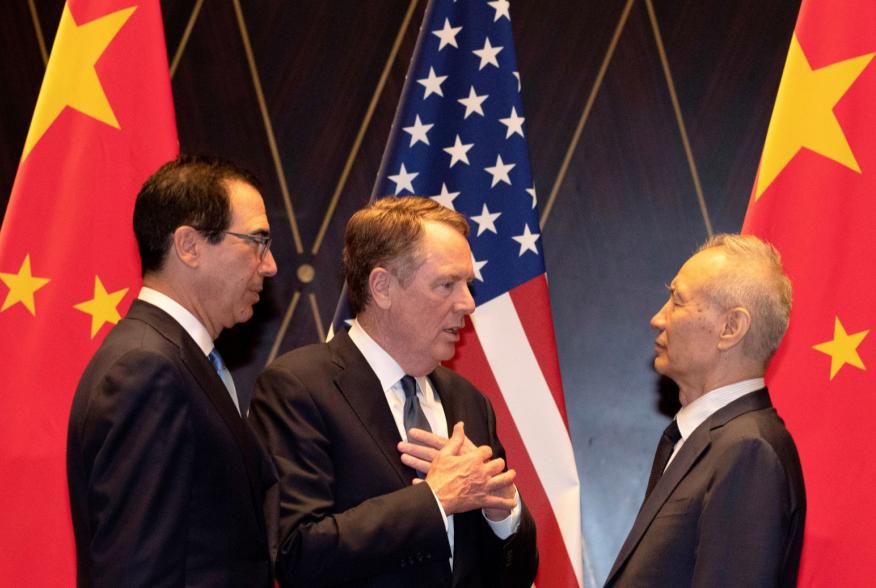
x=22, y=286
x=102, y=307
x=843, y=349
x=803, y=116
x=71, y=79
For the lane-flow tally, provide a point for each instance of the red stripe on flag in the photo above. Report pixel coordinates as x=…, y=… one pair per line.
x=555, y=569
x=532, y=303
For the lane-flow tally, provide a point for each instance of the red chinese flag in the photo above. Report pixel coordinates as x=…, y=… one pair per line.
x=68, y=260
x=815, y=200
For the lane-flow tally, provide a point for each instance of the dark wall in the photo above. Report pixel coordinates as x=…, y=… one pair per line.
x=645, y=121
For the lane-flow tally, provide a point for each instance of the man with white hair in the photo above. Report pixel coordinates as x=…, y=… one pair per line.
x=725, y=504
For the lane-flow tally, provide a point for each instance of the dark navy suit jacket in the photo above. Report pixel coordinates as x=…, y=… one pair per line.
x=348, y=512
x=166, y=479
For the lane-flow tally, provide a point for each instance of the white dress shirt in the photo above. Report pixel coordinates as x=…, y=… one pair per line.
x=390, y=373
x=694, y=414
x=188, y=322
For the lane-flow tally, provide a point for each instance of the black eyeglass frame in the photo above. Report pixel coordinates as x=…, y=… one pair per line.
x=264, y=243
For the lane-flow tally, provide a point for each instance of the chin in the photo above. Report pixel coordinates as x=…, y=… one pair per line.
x=659, y=366
x=244, y=315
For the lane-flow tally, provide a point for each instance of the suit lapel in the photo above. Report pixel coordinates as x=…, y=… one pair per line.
x=680, y=466
x=687, y=457
x=360, y=386
x=212, y=386
x=453, y=411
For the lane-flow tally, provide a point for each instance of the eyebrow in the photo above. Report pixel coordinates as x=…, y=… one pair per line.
x=673, y=290
x=455, y=277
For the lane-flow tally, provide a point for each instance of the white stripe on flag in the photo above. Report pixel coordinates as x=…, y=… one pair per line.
x=535, y=413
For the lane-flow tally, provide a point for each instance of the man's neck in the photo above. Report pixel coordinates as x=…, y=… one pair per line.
x=182, y=297
x=383, y=336
x=689, y=393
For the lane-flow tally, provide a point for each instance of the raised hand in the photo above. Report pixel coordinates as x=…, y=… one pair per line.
x=462, y=475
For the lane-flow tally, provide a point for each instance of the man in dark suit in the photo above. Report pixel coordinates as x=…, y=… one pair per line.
x=166, y=479
x=729, y=508
x=347, y=424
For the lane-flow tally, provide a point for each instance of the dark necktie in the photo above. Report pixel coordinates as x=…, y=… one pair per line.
x=664, y=451
x=413, y=412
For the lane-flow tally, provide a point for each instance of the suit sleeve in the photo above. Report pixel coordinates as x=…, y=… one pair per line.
x=137, y=438
x=745, y=520
x=319, y=544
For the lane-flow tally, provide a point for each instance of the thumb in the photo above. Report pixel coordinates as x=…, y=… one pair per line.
x=454, y=444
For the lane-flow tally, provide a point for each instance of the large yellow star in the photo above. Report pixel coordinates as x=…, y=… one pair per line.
x=22, y=286
x=71, y=79
x=803, y=116
x=102, y=307
x=843, y=349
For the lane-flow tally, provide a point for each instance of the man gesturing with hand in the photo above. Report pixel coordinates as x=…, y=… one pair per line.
x=495, y=492
x=341, y=420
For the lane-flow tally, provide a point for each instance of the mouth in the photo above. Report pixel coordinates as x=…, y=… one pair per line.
x=454, y=331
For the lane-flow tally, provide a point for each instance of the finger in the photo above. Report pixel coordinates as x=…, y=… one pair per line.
x=418, y=464
x=501, y=482
x=495, y=466
x=427, y=438
x=497, y=502
x=456, y=440
x=418, y=451
x=485, y=452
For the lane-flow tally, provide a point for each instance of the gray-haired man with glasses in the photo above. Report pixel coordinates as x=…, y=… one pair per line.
x=166, y=480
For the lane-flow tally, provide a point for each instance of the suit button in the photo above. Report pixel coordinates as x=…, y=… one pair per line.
x=420, y=557
x=404, y=563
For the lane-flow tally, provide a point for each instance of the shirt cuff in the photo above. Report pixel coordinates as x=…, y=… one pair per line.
x=509, y=525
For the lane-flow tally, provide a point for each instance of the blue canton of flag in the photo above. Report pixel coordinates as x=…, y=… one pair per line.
x=459, y=138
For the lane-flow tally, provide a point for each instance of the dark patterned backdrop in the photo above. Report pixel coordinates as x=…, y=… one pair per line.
x=645, y=120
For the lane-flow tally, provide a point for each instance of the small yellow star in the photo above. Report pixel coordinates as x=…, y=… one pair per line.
x=102, y=307
x=22, y=286
x=843, y=349
x=803, y=116
x=71, y=79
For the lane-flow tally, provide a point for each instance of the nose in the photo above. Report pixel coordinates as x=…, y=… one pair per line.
x=658, y=321
x=466, y=303
x=268, y=265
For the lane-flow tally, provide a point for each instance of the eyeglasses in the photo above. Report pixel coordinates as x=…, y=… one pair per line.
x=264, y=243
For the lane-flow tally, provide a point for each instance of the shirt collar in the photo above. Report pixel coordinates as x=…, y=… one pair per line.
x=694, y=414
x=180, y=314
x=388, y=371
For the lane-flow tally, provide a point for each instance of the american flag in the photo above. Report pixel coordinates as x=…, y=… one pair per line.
x=459, y=137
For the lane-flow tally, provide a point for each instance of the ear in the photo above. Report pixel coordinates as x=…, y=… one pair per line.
x=188, y=245
x=381, y=283
x=737, y=322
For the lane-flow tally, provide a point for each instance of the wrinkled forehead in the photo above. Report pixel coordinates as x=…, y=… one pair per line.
x=443, y=246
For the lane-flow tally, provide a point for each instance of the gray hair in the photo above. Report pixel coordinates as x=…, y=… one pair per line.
x=756, y=281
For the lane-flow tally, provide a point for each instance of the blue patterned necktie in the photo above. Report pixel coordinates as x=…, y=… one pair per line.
x=225, y=376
